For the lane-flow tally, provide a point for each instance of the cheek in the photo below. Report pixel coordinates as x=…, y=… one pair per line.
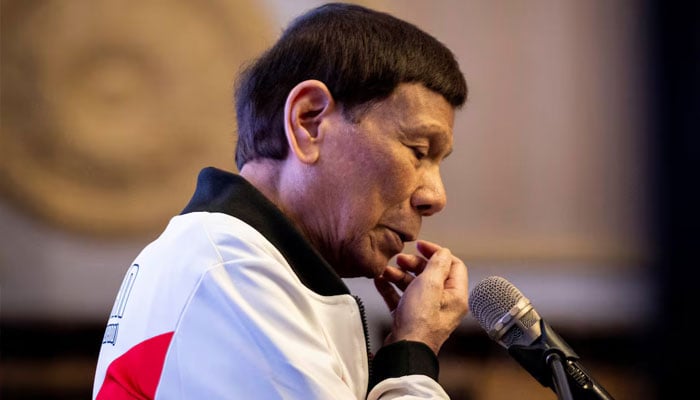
x=398, y=179
x=378, y=189
x=381, y=176
x=387, y=160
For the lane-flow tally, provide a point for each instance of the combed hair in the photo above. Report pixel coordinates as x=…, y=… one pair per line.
x=360, y=54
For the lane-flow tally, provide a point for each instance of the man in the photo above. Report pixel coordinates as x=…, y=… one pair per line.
x=342, y=126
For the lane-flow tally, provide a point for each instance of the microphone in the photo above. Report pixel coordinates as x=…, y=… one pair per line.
x=510, y=319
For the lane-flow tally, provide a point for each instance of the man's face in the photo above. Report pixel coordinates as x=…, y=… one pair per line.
x=377, y=178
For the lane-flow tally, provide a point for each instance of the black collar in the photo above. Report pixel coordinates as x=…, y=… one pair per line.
x=225, y=192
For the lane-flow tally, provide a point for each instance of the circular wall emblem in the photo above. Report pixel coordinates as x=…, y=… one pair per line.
x=110, y=108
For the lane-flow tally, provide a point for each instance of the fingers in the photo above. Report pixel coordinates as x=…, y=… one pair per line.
x=426, y=248
x=446, y=271
x=388, y=292
x=398, y=277
x=439, y=265
x=426, y=294
x=437, y=256
x=411, y=262
x=456, y=271
x=458, y=276
x=412, y=265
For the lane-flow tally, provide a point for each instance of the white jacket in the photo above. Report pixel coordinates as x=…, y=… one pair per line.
x=231, y=302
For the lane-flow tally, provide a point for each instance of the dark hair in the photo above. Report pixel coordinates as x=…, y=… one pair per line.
x=361, y=55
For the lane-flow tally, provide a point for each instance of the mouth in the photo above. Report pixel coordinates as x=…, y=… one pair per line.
x=403, y=236
x=395, y=239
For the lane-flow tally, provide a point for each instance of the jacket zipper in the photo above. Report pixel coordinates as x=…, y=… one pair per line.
x=365, y=328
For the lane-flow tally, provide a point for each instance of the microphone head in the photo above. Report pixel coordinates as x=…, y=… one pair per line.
x=504, y=312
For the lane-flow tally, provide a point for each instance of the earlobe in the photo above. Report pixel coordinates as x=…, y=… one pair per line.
x=308, y=103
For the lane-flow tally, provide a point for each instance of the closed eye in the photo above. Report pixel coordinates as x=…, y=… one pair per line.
x=419, y=152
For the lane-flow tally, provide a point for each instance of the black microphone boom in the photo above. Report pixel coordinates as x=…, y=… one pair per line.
x=510, y=319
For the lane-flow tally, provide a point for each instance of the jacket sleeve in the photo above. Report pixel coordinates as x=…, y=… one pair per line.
x=405, y=370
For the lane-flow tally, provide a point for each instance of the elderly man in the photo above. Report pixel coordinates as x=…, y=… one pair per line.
x=342, y=126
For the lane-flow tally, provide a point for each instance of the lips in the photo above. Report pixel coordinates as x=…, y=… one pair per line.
x=393, y=241
x=405, y=237
x=399, y=238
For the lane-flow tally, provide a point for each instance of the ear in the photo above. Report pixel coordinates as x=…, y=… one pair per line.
x=308, y=103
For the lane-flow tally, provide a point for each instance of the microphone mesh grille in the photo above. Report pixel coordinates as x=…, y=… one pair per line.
x=491, y=298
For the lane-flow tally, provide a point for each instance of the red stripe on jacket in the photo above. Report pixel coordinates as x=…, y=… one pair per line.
x=135, y=374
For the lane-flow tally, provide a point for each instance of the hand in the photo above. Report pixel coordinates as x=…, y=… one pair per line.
x=435, y=295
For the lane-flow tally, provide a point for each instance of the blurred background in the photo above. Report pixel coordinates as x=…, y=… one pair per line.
x=572, y=174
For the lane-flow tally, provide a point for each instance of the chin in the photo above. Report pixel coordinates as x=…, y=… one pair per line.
x=362, y=266
x=376, y=267
x=361, y=259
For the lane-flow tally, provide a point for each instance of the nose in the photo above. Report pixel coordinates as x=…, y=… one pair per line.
x=430, y=197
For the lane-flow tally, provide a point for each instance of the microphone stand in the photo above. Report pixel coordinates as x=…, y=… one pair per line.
x=555, y=365
x=561, y=384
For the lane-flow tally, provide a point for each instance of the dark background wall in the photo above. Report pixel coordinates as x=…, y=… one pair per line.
x=674, y=111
